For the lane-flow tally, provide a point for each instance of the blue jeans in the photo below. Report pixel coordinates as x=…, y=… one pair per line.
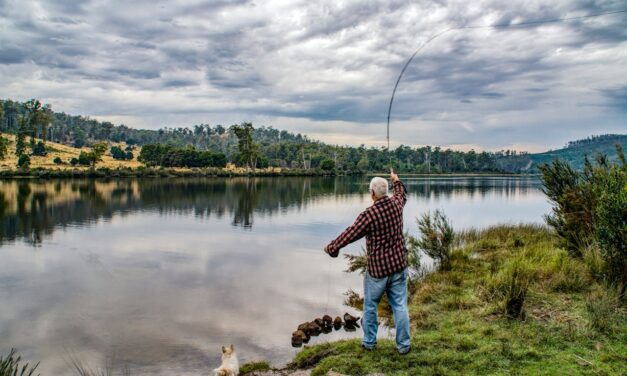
x=395, y=286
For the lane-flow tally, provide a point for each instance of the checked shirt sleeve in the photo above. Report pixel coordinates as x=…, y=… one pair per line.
x=356, y=231
x=400, y=192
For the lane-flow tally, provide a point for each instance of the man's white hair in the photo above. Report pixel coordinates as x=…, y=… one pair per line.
x=379, y=187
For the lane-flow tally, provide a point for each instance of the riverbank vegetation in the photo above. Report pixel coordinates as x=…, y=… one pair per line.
x=514, y=299
x=512, y=302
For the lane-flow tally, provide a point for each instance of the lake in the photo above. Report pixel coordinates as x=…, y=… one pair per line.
x=154, y=275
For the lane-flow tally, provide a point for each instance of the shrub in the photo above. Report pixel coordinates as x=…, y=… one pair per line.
x=610, y=217
x=73, y=161
x=509, y=286
x=591, y=207
x=10, y=366
x=57, y=160
x=117, y=153
x=39, y=149
x=436, y=238
x=86, y=158
x=23, y=161
x=571, y=213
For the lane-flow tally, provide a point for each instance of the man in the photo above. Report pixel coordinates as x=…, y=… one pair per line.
x=382, y=225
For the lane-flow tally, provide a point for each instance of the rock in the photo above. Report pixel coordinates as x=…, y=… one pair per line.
x=328, y=321
x=314, y=329
x=304, y=326
x=298, y=337
x=319, y=322
x=337, y=323
x=350, y=320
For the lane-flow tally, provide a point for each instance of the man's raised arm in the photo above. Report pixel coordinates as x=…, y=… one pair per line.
x=400, y=192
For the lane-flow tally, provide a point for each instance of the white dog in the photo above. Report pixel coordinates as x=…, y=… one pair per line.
x=230, y=365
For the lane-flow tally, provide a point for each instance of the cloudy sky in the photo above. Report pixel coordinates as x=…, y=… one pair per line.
x=327, y=68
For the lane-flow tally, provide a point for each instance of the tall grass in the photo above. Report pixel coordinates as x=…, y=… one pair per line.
x=10, y=366
x=510, y=284
x=603, y=308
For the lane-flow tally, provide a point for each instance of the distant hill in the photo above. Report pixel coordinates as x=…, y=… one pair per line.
x=575, y=152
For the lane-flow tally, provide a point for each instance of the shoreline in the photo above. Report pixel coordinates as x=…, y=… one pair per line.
x=151, y=172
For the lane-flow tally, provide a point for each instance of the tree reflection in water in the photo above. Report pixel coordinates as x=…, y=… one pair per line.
x=31, y=210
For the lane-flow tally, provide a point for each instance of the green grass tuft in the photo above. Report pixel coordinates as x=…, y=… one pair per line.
x=254, y=366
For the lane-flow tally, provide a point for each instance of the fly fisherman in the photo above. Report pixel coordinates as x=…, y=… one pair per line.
x=382, y=225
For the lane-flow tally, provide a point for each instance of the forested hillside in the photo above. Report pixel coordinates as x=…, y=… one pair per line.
x=281, y=148
x=575, y=151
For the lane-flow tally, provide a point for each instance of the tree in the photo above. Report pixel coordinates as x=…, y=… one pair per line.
x=74, y=161
x=327, y=164
x=117, y=153
x=20, y=137
x=39, y=117
x=248, y=150
x=23, y=161
x=57, y=160
x=98, y=150
x=4, y=147
x=362, y=165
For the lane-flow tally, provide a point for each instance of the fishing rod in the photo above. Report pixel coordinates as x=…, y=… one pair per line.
x=496, y=26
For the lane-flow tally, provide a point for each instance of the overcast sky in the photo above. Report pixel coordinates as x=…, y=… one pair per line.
x=327, y=68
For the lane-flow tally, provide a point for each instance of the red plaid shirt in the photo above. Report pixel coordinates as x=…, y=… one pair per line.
x=382, y=225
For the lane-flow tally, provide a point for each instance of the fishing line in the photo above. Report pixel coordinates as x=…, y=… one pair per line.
x=496, y=26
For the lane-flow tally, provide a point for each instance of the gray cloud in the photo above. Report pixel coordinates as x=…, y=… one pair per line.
x=326, y=68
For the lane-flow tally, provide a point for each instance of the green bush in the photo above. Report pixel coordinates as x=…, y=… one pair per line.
x=73, y=161
x=39, y=149
x=117, y=153
x=590, y=207
x=436, y=238
x=86, y=158
x=23, y=161
x=57, y=160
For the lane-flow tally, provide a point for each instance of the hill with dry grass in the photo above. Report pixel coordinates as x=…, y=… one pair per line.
x=66, y=153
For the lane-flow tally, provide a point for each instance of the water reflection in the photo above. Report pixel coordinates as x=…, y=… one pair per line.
x=30, y=210
x=157, y=274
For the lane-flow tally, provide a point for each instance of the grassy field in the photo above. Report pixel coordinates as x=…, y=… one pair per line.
x=65, y=153
x=571, y=324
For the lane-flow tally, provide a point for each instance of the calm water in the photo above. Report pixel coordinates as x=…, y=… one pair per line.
x=155, y=275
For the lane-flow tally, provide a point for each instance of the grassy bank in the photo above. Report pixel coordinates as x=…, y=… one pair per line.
x=571, y=323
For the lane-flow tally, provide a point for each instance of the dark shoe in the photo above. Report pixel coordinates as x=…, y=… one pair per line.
x=404, y=352
x=368, y=348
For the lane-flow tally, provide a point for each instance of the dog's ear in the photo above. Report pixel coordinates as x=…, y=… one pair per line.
x=223, y=349
x=232, y=348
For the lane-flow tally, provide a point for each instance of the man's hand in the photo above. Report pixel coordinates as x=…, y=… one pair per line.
x=327, y=250
x=393, y=176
